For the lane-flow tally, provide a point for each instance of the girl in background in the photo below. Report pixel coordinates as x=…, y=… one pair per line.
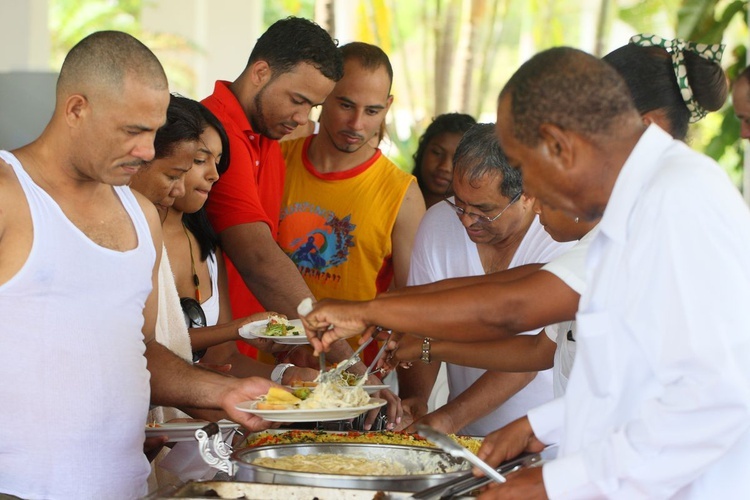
x=433, y=161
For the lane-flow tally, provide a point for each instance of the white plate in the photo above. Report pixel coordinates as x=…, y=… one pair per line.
x=184, y=431
x=310, y=415
x=369, y=389
x=255, y=330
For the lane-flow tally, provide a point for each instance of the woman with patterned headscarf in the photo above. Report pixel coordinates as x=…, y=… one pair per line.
x=673, y=82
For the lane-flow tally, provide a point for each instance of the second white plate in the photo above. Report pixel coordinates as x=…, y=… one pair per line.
x=310, y=415
x=256, y=329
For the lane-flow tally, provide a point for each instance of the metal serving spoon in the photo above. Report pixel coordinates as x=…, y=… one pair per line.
x=454, y=449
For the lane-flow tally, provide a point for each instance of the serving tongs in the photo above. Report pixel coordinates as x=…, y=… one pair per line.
x=445, y=443
x=327, y=376
x=363, y=380
x=465, y=484
x=304, y=308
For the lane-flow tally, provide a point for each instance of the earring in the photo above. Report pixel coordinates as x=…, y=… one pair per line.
x=576, y=219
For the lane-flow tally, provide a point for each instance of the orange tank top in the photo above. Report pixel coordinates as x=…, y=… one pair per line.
x=337, y=227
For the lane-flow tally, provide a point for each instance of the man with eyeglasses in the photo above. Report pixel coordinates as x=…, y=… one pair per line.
x=488, y=226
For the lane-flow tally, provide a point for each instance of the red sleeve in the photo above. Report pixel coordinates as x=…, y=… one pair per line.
x=235, y=198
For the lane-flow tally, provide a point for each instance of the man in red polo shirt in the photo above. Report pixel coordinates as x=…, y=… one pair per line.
x=293, y=67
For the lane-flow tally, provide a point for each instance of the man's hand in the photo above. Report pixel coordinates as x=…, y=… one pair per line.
x=395, y=410
x=406, y=351
x=526, y=484
x=299, y=374
x=508, y=442
x=438, y=420
x=241, y=390
x=414, y=409
x=302, y=356
x=332, y=320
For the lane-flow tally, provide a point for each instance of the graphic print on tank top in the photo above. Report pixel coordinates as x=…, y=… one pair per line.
x=320, y=241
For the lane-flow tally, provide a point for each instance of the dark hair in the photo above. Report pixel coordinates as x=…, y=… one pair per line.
x=447, y=123
x=295, y=40
x=743, y=75
x=184, y=124
x=568, y=88
x=370, y=57
x=478, y=154
x=650, y=76
x=103, y=58
x=197, y=222
x=211, y=121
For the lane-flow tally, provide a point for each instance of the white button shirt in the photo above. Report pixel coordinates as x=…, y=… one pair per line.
x=658, y=403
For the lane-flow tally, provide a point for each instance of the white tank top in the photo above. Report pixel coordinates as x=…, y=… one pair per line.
x=74, y=388
x=211, y=305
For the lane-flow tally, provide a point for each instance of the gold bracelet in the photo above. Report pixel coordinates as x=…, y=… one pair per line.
x=426, y=350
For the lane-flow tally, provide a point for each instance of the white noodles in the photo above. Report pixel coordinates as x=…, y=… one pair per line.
x=335, y=394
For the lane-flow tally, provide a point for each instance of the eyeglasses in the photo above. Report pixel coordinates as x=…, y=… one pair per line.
x=478, y=218
x=194, y=318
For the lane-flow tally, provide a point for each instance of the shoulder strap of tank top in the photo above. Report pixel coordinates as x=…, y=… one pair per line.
x=131, y=205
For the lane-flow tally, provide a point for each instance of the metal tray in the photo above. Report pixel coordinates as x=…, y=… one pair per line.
x=414, y=459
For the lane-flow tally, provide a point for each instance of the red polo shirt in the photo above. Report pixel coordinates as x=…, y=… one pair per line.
x=249, y=191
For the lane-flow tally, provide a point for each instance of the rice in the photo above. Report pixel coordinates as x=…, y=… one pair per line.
x=380, y=437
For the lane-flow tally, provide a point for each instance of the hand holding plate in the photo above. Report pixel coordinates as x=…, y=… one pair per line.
x=240, y=390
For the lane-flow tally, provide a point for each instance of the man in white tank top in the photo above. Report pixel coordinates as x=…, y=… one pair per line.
x=77, y=288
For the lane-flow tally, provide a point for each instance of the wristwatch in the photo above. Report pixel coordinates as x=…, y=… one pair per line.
x=278, y=372
x=426, y=350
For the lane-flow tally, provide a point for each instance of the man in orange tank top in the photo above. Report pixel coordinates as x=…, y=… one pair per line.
x=349, y=214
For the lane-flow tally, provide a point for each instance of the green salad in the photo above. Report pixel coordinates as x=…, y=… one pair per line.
x=279, y=327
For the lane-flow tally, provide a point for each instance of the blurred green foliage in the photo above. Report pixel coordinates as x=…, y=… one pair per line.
x=410, y=32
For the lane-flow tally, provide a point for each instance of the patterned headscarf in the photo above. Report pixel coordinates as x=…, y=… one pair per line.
x=677, y=48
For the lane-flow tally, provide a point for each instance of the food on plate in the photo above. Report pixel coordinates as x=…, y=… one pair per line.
x=296, y=383
x=335, y=394
x=302, y=392
x=349, y=379
x=279, y=326
x=278, y=399
x=328, y=463
x=380, y=437
x=326, y=395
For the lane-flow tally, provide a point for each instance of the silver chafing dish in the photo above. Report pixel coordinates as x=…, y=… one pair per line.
x=426, y=466
x=452, y=479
